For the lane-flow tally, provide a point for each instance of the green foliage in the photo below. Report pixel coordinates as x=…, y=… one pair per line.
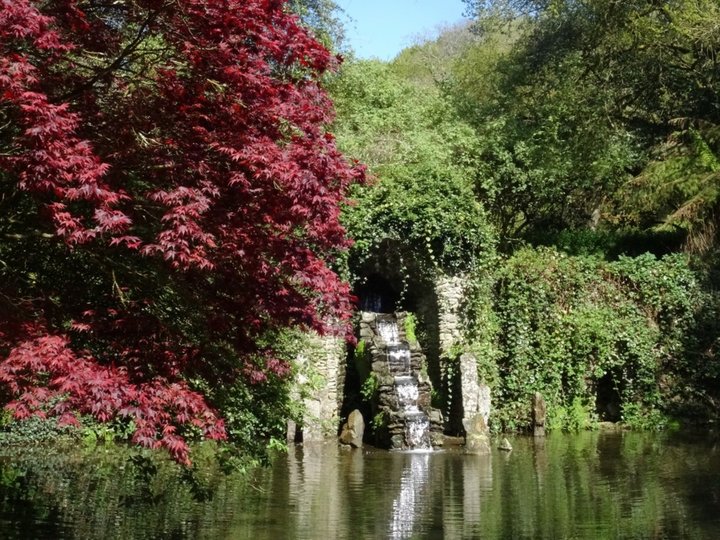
x=35, y=431
x=594, y=111
x=362, y=360
x=428, y=63
x=360, y=350
x=590, y=129
x=378, y=421
x=410, y=324
x=610, y=243
x=370, y=387
x=567, y=322
x=94, y=433
x=256, y=415
x=423, y=157
x=548, y=154
x=678, y=188
x=577, y=416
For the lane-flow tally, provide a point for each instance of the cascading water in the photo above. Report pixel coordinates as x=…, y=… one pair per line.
x=407, y=392
x=417, y=424
x=388, y=330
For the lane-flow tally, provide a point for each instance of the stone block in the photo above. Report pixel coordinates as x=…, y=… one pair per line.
x=353, y=430
x=539, y=412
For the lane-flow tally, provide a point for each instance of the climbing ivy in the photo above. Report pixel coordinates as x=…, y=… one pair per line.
x=565, y=323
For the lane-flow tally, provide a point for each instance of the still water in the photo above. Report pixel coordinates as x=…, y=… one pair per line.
x=591, y=485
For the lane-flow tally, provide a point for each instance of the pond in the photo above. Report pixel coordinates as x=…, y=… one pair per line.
x=591, y=485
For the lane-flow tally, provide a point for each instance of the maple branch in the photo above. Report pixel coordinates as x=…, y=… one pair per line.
x=35, y=233
x=115, y=64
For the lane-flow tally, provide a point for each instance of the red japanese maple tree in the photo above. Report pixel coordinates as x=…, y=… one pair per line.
x=169, y=194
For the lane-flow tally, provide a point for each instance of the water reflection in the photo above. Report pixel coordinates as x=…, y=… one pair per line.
x=592, y=485
x=315, y=494
x=408, y=504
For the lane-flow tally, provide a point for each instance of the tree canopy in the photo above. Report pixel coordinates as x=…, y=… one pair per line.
x=170, y=195
x=422, y=157
x=597, y=106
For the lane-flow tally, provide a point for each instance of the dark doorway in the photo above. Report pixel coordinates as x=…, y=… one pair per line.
x=377, y=294
x=608, y=402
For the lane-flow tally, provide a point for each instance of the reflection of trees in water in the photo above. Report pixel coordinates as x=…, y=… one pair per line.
x=315, y=494
x=91, y=493
x=588, y=486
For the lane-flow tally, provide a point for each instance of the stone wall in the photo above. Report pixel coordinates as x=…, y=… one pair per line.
x=450, y=291
x=325, y=361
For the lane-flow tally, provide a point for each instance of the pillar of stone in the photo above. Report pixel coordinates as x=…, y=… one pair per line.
x=326, y=358
x=450, y=291
x=475, y=394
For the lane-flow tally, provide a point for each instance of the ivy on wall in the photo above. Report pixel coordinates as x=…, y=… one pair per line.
x=573, y=328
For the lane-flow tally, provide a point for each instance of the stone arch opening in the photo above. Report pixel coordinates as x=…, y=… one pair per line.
x=377, y=294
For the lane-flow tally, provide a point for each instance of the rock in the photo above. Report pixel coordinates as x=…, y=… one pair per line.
x=397, y=441
x=505, y=446
x=436, y=438
x=477, y=444
x=475, y=424
x=484, y=402
x=469, y=382
x=475, y=395
x=609, y=426
x=539, y=411
x=353, y=430
x=435, y=417
x=366, y=333
x=291, y=431
x=379, y=366
x=477, y=438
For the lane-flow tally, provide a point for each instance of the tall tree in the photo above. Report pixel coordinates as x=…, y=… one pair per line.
x=590, y=94
x=423, y=157
x=324, y=18
x=170, y=195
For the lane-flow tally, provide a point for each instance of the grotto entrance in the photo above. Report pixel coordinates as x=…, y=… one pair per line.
x=376, y=294
x=608, y=403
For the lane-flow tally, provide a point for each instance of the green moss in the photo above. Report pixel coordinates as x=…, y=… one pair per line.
x=410, y=324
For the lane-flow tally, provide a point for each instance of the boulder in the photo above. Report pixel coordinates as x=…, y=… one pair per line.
x=477, y=438
x=353, y=430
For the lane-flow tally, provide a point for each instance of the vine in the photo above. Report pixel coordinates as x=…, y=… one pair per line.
x=565, y=323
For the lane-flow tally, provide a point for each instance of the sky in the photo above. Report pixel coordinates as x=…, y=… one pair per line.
x=382, y=28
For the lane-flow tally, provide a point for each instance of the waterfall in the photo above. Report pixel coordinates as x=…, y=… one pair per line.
x=417, y=423
x=417, y=431
x=407, y=392
x=388, y=330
